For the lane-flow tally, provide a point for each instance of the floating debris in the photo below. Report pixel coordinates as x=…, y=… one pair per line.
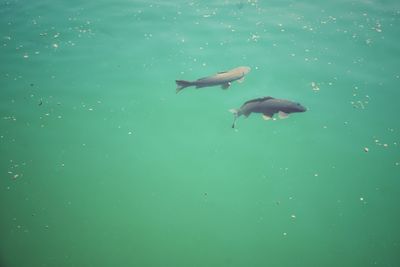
x=314, y=86
x=358, y=104
x=377, y=27
x=366, y=149
x=255, y=37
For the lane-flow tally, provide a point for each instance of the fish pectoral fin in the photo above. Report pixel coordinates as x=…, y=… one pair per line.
x=241, y=80
x=225, y=86
x=283, y=115
x=267, y=116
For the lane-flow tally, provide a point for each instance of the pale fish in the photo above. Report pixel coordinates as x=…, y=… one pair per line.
x=223, y=79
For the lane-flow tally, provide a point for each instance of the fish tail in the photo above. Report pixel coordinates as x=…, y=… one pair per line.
x=181, y=84
x=235, y=113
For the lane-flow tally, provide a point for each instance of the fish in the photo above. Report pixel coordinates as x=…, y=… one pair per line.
x=267, y=106
x=223, y=79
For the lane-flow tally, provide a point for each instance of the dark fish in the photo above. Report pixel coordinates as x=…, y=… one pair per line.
x=224, y=79
x=267, y=106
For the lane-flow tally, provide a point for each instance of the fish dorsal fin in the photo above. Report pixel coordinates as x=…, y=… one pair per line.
x=261, y=99
x=200, y=79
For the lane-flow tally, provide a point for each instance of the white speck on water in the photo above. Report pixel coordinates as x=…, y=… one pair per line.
x=55, y=45
x=255, y=37
x=361, y=199
x=285, y=234
x=293, y=216
x=366, y=149
x=129, y=133
x=314, y=86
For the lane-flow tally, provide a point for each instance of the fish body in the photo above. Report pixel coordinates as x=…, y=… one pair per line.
x=223, y=79
x=267, y=106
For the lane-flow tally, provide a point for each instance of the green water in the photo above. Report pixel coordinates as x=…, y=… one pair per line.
x=102, y=164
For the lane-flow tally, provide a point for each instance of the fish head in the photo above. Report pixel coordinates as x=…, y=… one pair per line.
x=297, y=107
x=244, y=70
x=291, y=107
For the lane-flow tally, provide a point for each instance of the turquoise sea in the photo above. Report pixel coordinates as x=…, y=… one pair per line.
x=103, y=164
